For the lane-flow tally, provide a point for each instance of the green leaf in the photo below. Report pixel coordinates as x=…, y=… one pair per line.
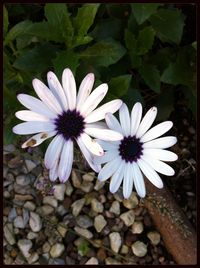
x=145, y=40
x=165, y=104
x=143, y=11
x=118, y=10
x=65, y=59
x=151, y=76
x=191, y=96
x=132, y=96
x=5, y=20
x=168, y=25
x=194, y=45
x=118, y=86
x=131, y=44
x=104, y=53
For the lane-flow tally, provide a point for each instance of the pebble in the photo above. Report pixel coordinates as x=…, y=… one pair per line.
x=137, y=227
x=35, y=222
x=84, y=221
x=69, y=188
x=99, y=185
x=46, y=209
x=77, y=206
x=124, y=250
x=30, y=165
x=119, y=195
x=31, y=235
x=33, y=258
x=50, y=200
x=25, y=245
x=8, y=233
x=25, y=216
x=84, y=232
x=62, y=230
x=46, y=247
x=59, y=191
x=86, y=186
x=139, y=249
x=99, y=223
x=128, y=217
x=131, y=202
x=30, y=205
x=23, y=180
x=56, y=261
x=6, y=194
x=61, y=210
x=19, y=222
x=69, y=261
x=9, y=148
x=76, y=179
x=110, y=260
x=88, y=176
x=115, y=241
x=92, y=260
x=96, y=206
x=12, y=215
x=19, y=197
x=115, y=207
x=154, y=237
x=57, y=250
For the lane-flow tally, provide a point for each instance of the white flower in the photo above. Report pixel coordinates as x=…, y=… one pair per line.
x=139, y=150
x=68, y=116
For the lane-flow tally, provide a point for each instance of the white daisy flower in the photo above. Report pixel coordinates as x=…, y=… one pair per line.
x=138, y=152
x=68, y=116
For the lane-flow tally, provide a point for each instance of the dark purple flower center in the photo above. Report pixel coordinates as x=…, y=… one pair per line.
x=70, y=124
x=130, y=149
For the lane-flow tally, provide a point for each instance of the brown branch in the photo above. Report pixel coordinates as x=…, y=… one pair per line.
x=177, y=232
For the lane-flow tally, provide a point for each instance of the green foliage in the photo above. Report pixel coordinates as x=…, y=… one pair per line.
x=119, y=85
x=143, y=11
x=83, y=248
x=151, y=76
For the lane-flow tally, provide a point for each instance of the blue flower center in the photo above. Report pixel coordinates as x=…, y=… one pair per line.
x=130, y=149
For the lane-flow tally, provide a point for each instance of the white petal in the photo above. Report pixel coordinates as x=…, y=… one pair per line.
x=46, y=96
x=161, y=143
x=117, y=177
x=27, y=115
x=109, y=145
x=128, y=181
x=113, y=123
x=108, y=156
x=84, y=90
x=33, y=127
x=146, y=122
x=124, y=117
x=161, y=154
x=150, y=173
x=66, y=161
x=57, y=89
x=88, y=156
x=53, y=151
x=138, y=181
x=35, y=105
x=92, y=145
x=53, y=172
x=104, y=134
x=94, y=99
x=38, y=139
x=69, y=86
x=156, y=131
x=97, y=125
x=136, y=115
x=108, y=170
x=158, y=165
x=99, y=113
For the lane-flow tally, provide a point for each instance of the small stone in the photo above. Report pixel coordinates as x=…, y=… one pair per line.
x=137, y=227
x=69, y=261
x=15, y=162
x=119, y=195
x=29, y=205
x=92, y=260
x=84, y=232
x=56, y=261
x=50, y=200
x=12, y=215
x=124, y=250
x=76, y=179
x=6, y=194
x=77, y=206
x=19, y=222
x=115, y=207
x=62, y=230
x=35, y=222
x=154, y=237
x=59, y=191
x=32, y=235
x=139, y=249
x=131, y=202
x=99, y=185
x=88, y=176
x=46, y=209
x=101, y=254
x=69, y=188
x=10, y=148
x=96, y=206
x=13, y=253
x=33, y=258
x=128, y=217
x=61, y=210
x=46, y=247
x=86, y=186
x=30, y=165
x=25, y=245
x=57, y=250
x=26, y=189
x=23, y=180
x=8, y=233
x=84, y=221
x=115, y=241
x=112, y=261
x=19, y=197
x=99, y=223
x=25, y=216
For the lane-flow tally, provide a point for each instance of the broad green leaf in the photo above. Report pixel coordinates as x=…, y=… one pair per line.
x=132, y=96
x=143, y=11
x=5, y=20
x=191, y=96
x=194, y=45
x=168, y=24
x=120, y=11
x=163, y=57
x=118, y=86
x=165, y=103
x=23, y=41
x=103, y=53
x=151, y=76
x=145, y=40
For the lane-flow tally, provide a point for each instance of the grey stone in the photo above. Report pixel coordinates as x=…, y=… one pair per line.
x=23, y=180
x=131, y=202
x=56, y=261
x=50, y=200
x=57, y=250
x=96, y=206
x=139, y=249
x=99, y=185
x=25, y=245
x=19, y=222
x=83, y=232
x=99, y=223
x=62, y=230
x=46, y=209
x=76, y=179
x=8, y=233
x=29, y=205
x=115, y=207
x=33, y=258
x=61, y=210
x=115, y=241
x=111, y=261
x=25, y=216
x=137, y=227
x=86, y=186
x=128, y=217
x=69, y=188
x=59, y=191
x=154, y=237
x=88, y=176
x=46, y=247
x=30, y=165
x=31, y=235
x=84, y=221
x=77, y=206
x=12, y=215
x=92, y=260
x=35, y=222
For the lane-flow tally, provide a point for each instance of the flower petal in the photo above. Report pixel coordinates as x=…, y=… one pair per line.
x=136, y=115
x=66, y=161
x=117, y=178
x=33, y=127
x=138, y=180
x=46, y=96
x=108, y=170
x=38, y=139
x=113, y=123
x=108, y=156
x=160, y=143
x=53, y=172
x=99, y=113
x=128, y=181
x=35, y=105
x=27, y=115
x=97, y=125
x=94, y=99
x=104, y=134
x=156, y=131
x=150, y=173
x=92, y=145
x=161, y=154
x=146, y=122
x=53, y=151
x=69, y=86
x=57, y=89
x=109, y=145
x=124, y=117
x=84, y=90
